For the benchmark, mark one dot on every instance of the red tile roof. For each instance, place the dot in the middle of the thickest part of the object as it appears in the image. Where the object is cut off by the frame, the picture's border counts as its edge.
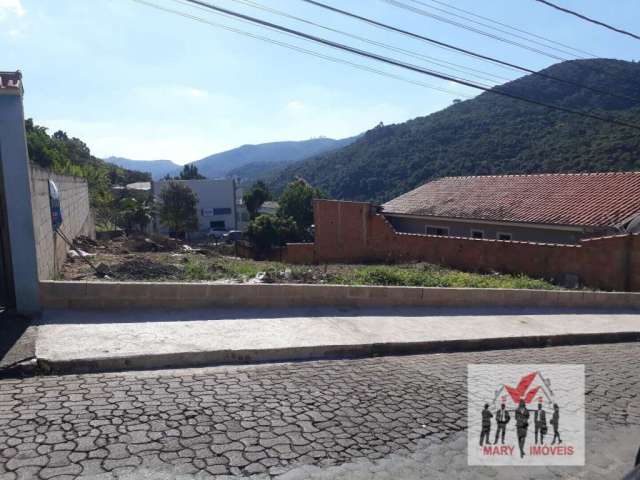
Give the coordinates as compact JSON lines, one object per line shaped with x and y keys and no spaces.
{"x":584,"y":199}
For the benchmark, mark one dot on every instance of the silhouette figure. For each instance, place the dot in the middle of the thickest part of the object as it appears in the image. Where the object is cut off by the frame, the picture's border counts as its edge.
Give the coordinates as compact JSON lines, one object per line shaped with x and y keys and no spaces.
{"x":502,"y":418}
{"x":540,"y":423}
{"x":486,"y":425}
{"x":555,"y":421}
{"x":522,"y":424}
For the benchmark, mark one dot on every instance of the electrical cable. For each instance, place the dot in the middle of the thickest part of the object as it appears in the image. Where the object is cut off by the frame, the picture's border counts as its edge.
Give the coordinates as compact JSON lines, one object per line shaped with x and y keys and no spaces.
{"x":447,"y":5}
{"x":440,"y":18}
{"x":302,"y":50}
{"x":436,"y":61}
{"x":588,"y":19}
{"x":406,"y":66}
{"x":460,"y":49}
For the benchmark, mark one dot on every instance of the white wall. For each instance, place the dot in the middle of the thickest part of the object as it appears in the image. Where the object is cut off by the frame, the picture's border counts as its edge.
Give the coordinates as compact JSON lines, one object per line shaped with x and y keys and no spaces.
{"x":212,"y":195}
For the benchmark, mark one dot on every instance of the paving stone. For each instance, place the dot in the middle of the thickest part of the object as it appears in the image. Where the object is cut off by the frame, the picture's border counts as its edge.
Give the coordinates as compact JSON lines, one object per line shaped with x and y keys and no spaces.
{"x":48,"y":472}
{"x":268,"y":419}
{"x":27,"y":459}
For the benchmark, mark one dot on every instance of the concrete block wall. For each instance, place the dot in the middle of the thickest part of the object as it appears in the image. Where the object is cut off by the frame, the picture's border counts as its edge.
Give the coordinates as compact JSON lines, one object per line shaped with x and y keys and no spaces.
{"x":352,"y":232}
{"x":76,"y":214}
{"x":174,"y":295}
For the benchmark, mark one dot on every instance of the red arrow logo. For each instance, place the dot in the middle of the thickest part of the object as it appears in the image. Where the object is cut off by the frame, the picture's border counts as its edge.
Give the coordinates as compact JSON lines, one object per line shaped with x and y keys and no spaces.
{"x":520,"y":392}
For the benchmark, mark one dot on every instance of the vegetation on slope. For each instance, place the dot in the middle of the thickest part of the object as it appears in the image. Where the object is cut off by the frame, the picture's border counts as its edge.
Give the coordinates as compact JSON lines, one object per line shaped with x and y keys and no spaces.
{"x":71,"y":156}
{"x":491,"y":135}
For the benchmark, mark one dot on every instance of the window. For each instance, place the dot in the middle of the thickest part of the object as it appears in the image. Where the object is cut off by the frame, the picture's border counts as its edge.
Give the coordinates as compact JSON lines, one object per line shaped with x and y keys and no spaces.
{"x":217,"y":225}
{"x":477,"y":233}
{"x":222,"y":211}
{"x":504,"y":236}
{"x":441,"y":231}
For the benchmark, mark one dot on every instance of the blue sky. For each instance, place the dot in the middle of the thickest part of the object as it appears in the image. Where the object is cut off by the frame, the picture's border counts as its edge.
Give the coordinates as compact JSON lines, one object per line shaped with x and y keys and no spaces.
{"x":145,"y":84}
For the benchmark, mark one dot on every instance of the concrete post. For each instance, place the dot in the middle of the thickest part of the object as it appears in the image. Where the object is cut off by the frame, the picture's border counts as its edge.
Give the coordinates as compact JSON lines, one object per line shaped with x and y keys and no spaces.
{"x":16,"y":183}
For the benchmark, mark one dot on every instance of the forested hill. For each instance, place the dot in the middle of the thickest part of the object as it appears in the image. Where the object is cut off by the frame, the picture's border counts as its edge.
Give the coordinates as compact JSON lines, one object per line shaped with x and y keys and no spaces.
{"x":492,"y":134}
{"x":71,"y":156}
{"x":261,"y":155}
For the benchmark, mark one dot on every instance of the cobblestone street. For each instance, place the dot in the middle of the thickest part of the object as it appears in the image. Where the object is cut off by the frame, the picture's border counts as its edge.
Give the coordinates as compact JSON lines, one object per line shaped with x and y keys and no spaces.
{"x":380,"y":416}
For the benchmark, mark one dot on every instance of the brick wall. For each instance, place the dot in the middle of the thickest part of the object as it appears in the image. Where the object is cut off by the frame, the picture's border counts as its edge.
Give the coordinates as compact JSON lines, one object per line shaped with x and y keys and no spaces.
{"x":76,"y":214}
{"x":299,"y":253}
{"x":355,"y":232}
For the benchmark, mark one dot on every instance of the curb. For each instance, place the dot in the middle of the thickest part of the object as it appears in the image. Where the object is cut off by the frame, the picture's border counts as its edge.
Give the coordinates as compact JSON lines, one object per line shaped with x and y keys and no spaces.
{"x":320,"y":352}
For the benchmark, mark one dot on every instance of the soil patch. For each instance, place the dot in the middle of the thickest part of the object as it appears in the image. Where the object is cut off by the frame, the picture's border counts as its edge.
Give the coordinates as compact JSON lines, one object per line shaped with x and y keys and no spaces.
{"x":145,"y":269}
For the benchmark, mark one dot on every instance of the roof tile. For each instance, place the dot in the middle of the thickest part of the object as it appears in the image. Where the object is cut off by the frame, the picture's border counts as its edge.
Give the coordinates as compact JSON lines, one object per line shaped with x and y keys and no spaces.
{"x":585,"y":199}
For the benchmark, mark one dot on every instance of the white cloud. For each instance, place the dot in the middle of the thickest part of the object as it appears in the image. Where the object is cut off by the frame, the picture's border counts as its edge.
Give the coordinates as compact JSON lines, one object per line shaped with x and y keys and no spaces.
{"x":171,"y":92}
{"x":11,"y":7}
{"x":295,"y":106}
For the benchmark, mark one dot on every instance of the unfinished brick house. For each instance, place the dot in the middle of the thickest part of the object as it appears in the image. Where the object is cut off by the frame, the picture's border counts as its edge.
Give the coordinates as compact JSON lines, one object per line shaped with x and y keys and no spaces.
{"x":547,"y":208}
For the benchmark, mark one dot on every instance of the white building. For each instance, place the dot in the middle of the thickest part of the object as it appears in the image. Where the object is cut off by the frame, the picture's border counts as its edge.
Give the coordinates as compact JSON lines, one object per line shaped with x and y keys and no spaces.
{"x":269,"y":207}
{"x":219,"y":207}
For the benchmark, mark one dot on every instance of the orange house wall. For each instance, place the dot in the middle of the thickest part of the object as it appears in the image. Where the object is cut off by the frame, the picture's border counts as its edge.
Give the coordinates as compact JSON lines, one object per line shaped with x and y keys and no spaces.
{"x":353,"y":232}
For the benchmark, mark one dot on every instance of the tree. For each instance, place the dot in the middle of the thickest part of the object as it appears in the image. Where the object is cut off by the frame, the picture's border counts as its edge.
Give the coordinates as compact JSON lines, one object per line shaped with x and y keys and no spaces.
{"x":255,"y":197}
{"x":267,"y":231}
{"x":135,"y":214}
{"x":296,"y":202}
{"x":106,"y":211}
{"x":190,"y":172}
{"x":71,"y":156}
{"x":177,"y":208}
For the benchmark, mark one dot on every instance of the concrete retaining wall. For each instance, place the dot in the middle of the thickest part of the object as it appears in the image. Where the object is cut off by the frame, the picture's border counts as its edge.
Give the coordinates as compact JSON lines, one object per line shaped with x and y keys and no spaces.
{"x":104,"y":295}
{"x":77,"y":218}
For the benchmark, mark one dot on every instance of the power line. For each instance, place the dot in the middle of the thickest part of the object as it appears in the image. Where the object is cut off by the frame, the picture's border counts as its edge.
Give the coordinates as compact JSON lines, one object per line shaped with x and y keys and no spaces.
{"x":462,"y":50}
{"x":406,"y":66}
{"x":584,"y":17}
{"x":452,"y":7}
{"x":440,"y":18}
{"x":419,"y":11}
{"x":436,"y":61}
{"x":298,"y":49}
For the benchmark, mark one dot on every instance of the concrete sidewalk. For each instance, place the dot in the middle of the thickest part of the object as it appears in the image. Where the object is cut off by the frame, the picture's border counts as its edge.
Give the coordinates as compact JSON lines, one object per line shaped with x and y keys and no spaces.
{"x":85,"y":341}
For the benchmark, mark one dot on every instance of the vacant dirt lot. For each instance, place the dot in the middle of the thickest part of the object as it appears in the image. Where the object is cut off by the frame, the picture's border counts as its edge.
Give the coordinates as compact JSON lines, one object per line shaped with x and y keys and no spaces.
{"x":162,"y":259}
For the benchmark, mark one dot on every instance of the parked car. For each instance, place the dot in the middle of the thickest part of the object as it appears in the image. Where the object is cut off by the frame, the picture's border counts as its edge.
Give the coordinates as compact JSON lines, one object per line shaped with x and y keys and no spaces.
{"x":216,"y":234}
{"x":233,"y":236}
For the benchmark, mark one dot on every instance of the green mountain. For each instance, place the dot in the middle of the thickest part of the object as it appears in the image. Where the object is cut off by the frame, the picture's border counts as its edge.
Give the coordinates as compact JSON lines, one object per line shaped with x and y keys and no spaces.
{"x":491,"y":135}
{"x":263,"y":156}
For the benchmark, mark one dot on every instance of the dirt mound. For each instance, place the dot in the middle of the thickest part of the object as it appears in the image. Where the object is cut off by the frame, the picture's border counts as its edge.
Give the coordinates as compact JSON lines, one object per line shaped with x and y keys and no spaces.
{"x":153,"y":243}
{"x":145,"y":269}
{"x":85,"y":243}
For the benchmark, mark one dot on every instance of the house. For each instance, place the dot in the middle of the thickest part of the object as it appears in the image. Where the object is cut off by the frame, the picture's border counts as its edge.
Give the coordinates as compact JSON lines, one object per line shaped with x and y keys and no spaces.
{"x":549,"y":208}
{"x":219,"y":205}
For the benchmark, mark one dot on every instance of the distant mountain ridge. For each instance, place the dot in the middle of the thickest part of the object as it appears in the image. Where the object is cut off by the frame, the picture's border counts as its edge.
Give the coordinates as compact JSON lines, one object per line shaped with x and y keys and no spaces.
{"x":247,"y":161}
{"x":491,"y":135}
{"x":261,"y":155}
{"x":157,"y":168}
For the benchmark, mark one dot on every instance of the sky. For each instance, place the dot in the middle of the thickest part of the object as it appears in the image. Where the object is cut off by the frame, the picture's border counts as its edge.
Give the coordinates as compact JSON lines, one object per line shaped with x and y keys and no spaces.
{"x":141,"y":83}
